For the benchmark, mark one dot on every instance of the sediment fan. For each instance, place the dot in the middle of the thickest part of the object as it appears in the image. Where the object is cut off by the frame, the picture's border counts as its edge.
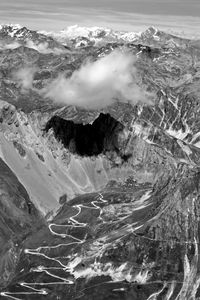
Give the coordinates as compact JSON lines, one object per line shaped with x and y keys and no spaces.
{"x":99,"y":204}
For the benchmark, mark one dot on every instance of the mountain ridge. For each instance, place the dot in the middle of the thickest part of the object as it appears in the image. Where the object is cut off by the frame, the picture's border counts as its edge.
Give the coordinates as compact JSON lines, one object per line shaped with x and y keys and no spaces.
{"x":103,"y":203}
{"x":82,"y":36}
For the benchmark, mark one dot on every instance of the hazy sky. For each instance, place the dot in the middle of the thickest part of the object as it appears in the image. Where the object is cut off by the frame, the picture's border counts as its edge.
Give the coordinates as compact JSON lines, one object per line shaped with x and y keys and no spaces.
{"x":135,"y":15}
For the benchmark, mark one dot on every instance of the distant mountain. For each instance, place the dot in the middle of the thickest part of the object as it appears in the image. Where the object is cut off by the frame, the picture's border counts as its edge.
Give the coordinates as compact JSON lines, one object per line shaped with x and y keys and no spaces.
{"x":78,"y":37}
{"x":92,"y":34}
{"x":16,"y":35}
{"x":84,"y":36}
{"x":99,"y":35}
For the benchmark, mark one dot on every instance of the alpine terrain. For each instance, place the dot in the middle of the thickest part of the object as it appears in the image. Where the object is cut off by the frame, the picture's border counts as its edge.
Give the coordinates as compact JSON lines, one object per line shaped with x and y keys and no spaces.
{"x":99,"y":201}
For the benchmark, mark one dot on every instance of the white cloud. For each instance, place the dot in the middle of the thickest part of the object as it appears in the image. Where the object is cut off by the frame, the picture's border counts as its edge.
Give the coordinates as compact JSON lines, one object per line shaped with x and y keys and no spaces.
{"x":98,"y":84}
{"x":43,"y":48}
{"x":24,"y":77}
{"x":14,"y":45}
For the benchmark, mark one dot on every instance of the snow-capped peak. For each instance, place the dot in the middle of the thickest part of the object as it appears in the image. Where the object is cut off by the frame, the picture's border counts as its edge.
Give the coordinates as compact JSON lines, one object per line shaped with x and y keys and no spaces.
{"x":75,"y":31}
{"x":151,"y":30}
{"x":12,"y":26}
{"x":11,"y":29}
{"x":94,"y":34}
{"x":78,"y":31}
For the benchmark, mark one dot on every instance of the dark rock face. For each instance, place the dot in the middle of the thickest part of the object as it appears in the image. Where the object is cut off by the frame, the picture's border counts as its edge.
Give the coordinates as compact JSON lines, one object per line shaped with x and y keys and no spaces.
{"x":101,"y":204}
{"x":90,"y":139}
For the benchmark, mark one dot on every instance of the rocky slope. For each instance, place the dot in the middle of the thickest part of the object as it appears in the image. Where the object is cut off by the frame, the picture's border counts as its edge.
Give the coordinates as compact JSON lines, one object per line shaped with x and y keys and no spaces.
{"x":99,"y":204}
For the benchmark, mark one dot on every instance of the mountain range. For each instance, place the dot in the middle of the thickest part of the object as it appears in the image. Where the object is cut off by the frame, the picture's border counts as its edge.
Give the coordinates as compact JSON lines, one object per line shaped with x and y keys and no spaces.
{"x":99,"y":203}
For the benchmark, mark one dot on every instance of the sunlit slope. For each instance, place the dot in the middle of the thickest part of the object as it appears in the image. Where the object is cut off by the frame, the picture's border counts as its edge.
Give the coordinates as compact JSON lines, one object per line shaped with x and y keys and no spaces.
{"x":18,"y":218}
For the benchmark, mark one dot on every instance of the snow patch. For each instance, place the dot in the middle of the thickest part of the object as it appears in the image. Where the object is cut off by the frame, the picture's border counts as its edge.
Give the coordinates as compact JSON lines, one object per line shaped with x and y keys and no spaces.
{"x":180,"y":135}
{"x":184,"y":147}
{"x":94,"y":34}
